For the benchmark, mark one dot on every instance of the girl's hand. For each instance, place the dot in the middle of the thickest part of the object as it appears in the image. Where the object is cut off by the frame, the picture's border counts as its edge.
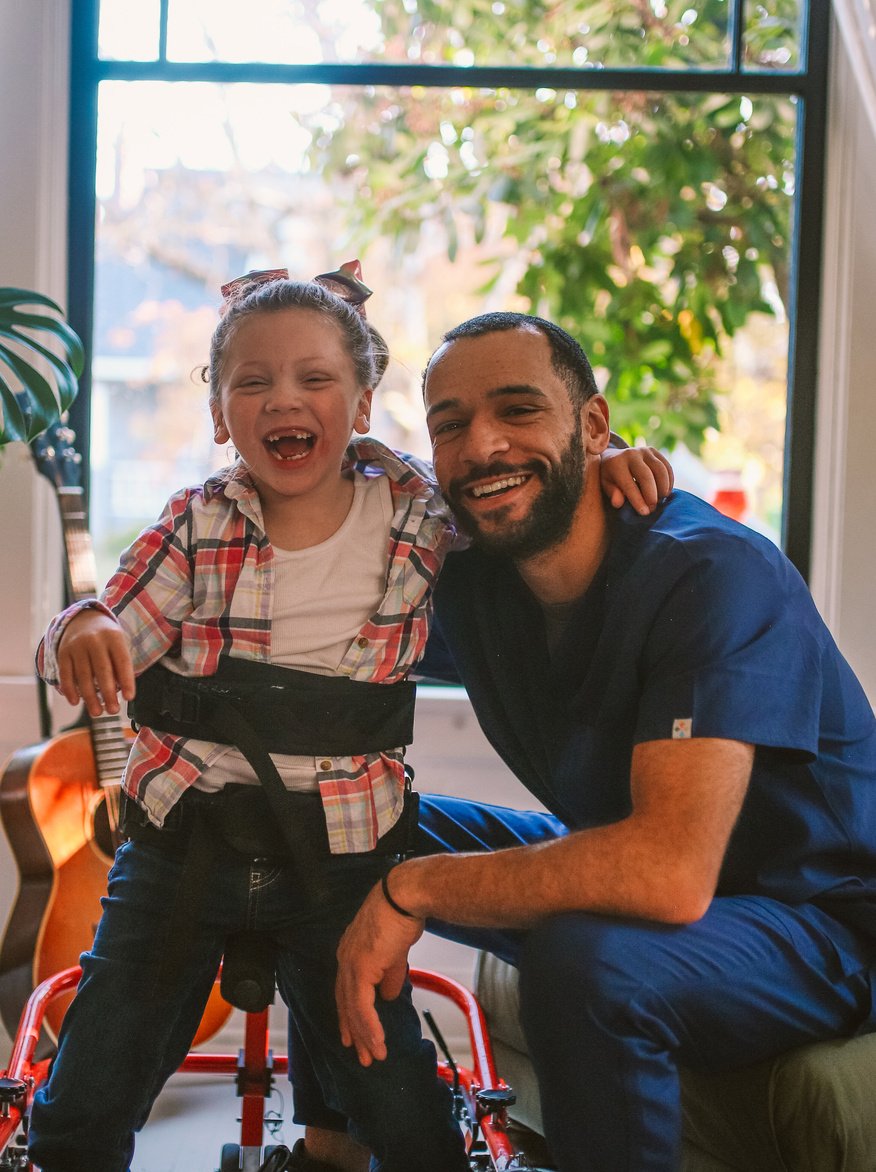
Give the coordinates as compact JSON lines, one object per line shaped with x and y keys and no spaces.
{"x":642,"y":476}
{"x":94,"y":663}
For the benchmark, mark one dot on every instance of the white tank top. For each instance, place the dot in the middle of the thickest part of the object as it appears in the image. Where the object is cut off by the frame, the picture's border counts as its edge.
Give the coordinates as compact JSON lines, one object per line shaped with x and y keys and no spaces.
{"x":322,"y":597}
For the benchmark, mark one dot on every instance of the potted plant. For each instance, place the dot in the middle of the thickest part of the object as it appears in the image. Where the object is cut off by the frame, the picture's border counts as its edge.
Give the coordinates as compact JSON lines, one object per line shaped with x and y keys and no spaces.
{"x":44,"y":358}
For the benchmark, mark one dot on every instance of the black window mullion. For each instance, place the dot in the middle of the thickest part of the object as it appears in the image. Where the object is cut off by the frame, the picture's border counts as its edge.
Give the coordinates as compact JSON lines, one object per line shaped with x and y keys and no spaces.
{"x":804,"y":310}
{"x":162,"y":29}
{"x":450,"y":76}
{"x":81,"y":205}
{"x":736,"y":32}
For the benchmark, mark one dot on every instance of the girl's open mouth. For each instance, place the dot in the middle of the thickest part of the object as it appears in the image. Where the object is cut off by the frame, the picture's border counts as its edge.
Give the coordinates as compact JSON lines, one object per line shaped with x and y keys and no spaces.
{"x":289,"y":445}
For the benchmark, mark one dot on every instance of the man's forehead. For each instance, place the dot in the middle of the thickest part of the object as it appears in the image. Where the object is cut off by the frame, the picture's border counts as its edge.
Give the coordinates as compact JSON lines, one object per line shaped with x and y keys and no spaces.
{"x":524,"y":340}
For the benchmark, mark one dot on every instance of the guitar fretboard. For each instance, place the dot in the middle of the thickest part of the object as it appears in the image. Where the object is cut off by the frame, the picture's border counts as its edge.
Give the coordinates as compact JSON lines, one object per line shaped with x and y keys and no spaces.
{"x":111,"y":749}
{"x":81,"y":568}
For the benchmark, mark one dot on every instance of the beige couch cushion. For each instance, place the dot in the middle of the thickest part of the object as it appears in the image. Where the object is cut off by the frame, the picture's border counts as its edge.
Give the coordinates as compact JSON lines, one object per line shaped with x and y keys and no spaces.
{"x":810,"y":1110}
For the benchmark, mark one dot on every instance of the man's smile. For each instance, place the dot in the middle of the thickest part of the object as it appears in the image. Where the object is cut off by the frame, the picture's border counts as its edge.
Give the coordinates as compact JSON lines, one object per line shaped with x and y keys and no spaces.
{"x":496,"y":487}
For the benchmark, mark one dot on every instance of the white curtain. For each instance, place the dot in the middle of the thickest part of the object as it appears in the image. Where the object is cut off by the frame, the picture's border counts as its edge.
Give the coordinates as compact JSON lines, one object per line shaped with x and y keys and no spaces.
{"x":857,"y":24}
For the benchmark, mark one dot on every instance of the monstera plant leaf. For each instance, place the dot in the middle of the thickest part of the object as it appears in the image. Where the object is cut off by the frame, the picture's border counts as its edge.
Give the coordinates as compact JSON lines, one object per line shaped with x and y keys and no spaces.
{"x":34,"y":394}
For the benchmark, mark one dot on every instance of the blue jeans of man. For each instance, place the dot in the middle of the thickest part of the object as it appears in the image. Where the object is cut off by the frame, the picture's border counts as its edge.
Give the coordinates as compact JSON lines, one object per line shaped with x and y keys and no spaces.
{"x":611,"y":1008}
{"x":119,"y":1043}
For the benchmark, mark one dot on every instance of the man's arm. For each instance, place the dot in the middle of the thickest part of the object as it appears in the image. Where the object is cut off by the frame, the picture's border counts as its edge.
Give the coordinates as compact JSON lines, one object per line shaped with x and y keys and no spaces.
{"x":660,"y":863}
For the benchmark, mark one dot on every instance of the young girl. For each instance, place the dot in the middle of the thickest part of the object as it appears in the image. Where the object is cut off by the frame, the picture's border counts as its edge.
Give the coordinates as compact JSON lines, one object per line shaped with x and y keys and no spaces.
{"x":284,"y":588}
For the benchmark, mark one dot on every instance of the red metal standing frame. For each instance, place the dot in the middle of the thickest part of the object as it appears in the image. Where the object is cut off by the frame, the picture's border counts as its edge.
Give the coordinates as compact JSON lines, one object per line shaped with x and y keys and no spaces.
{"x":485,"y":1095}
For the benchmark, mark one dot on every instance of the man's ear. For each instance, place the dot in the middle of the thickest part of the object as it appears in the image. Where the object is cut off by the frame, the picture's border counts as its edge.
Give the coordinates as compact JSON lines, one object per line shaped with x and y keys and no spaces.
{"x":221,"y":435}
{"x":595,"y":426}
{"x":362,"y":422}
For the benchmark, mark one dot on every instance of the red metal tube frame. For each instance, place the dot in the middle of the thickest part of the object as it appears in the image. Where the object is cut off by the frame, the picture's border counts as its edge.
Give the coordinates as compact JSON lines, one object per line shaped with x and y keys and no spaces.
{"x":257,"y":1059}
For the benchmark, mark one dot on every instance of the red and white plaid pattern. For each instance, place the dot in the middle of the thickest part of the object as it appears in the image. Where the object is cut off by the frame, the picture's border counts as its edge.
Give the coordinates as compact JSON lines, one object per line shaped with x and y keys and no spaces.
{"x":198,"y":585}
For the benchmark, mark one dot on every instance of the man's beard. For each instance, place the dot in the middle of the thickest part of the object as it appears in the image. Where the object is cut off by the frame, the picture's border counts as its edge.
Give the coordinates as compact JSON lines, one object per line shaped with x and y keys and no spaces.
{"x":549,"y":519}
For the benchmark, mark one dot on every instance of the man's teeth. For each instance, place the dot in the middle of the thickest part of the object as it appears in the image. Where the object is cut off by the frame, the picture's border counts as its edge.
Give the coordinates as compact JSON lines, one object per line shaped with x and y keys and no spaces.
{"x":480,"y":490}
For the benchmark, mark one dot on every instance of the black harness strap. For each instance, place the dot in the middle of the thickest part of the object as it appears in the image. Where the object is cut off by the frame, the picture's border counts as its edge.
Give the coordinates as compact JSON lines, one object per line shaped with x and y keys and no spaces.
{"x":290,"y":711}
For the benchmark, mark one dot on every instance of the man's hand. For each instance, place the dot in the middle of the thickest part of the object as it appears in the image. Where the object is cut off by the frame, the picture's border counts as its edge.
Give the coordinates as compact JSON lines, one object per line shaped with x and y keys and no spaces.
{"x":372,"y":957}
{"x":642,"y":476}
{"x":94,"y":663}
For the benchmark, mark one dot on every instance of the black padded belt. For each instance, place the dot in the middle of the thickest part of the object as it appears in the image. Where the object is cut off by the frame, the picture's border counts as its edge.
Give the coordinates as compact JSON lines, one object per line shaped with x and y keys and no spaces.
{"x":290,"y":711}
{"x":262,"y":709}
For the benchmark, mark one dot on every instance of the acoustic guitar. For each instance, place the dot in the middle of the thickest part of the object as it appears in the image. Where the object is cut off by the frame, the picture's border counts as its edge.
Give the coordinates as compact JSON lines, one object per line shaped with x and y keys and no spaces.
{"x":59,"y":803}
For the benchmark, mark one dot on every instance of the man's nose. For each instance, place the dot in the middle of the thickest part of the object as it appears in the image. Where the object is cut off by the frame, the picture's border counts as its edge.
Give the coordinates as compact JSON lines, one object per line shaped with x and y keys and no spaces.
{"x":484,"y":440}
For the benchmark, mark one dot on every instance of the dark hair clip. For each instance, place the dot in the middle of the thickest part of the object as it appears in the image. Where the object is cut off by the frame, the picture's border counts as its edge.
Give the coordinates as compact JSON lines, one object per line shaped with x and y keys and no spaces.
{"x":346,"y":283}
{"x":240,"y":285}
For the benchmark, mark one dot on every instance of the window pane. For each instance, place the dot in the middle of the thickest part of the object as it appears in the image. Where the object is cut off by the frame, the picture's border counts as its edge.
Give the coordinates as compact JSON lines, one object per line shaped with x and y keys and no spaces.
{"x":129,"y":32}
{"x":772,"y":35}
{"x":654,"y":227}
{"x":615,"y":33}
{"x":290,"y":31}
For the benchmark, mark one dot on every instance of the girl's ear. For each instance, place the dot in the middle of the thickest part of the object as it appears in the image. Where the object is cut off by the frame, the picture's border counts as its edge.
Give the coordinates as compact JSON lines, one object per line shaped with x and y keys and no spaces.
{"x":221,"y":435}
{"x":362,"y":422}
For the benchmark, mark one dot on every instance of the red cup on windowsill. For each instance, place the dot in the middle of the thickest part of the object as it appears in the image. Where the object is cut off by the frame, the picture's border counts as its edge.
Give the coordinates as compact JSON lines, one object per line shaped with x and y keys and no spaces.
{"x":729,"y":495}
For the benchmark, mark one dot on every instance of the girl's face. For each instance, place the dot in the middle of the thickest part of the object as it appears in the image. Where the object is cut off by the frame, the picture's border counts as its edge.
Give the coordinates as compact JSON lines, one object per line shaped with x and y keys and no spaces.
{"x":289,"y":403}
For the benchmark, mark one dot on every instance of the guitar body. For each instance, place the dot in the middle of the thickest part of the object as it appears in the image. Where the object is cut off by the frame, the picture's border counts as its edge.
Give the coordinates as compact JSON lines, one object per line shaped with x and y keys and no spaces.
{"x":60,"y":823}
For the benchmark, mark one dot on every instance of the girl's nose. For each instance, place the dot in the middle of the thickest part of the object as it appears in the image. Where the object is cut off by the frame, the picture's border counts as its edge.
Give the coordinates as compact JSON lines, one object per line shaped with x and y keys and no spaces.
{"x":284,"y":395}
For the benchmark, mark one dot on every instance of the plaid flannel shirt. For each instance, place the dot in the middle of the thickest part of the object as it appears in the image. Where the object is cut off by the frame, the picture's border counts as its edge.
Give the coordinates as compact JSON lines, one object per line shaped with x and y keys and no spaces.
{"x":198,"y":584}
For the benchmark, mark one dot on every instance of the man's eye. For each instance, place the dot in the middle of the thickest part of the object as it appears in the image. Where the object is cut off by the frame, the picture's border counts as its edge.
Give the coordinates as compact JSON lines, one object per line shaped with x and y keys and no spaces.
{"x":445,"y":428}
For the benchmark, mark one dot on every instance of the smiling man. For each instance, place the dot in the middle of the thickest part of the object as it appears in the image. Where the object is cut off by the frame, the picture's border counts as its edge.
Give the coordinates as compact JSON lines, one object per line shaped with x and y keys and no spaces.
{"x":704,"y":890}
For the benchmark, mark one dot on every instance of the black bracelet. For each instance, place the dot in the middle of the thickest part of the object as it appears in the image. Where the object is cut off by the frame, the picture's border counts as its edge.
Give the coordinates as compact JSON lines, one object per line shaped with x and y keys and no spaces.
{"x":396,"y":907}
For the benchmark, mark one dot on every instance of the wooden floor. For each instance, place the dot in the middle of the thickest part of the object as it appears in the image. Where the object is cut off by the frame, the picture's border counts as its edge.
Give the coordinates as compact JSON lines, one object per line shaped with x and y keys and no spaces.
{"x":193,"y":1117}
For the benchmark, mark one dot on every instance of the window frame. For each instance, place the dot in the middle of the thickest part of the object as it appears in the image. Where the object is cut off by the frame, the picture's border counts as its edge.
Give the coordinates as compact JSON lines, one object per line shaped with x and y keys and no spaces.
{"x":807,"y":83}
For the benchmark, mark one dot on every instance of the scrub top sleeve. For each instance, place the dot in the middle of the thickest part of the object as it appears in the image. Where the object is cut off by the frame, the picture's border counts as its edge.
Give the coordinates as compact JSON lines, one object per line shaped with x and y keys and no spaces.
{"x":437,"y":663}
{"x":734,"y":652}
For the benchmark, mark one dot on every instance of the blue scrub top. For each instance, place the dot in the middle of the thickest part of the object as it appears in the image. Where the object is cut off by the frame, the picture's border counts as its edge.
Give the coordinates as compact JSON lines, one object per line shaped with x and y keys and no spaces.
{"x":694,"y":626}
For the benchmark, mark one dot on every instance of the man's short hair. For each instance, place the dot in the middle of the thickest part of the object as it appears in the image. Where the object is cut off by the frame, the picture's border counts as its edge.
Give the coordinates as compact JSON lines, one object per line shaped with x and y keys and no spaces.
{"x":567,"y":356}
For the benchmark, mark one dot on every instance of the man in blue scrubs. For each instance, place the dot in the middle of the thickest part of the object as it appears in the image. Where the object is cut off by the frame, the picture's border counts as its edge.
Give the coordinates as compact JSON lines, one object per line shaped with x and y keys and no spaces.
{"x":704,"y":892}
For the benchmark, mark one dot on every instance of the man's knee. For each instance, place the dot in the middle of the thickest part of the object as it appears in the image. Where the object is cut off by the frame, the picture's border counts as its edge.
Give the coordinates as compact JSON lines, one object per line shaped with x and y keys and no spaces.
{"x":584,"y":964}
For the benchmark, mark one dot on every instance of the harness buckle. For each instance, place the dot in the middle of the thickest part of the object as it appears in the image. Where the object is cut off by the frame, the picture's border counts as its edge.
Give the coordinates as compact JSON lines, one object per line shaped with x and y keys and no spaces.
{"x":182,"y":704}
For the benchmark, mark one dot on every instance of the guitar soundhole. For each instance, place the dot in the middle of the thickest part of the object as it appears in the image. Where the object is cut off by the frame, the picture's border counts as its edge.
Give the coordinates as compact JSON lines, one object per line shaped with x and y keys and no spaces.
{"x":106,"y":827}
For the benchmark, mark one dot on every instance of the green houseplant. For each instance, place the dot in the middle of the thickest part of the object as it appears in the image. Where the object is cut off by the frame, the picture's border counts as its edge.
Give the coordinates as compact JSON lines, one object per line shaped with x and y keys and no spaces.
{"x":41,"y":359}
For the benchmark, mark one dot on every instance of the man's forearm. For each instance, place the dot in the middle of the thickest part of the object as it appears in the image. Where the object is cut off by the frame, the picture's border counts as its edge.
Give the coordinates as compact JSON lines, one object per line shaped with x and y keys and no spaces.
{"x":660,"y":863}
{"x":602,"y":871}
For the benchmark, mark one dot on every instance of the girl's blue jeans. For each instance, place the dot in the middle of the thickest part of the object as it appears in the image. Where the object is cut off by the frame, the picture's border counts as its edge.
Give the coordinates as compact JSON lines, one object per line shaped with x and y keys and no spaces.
{"x":120,"y":1042}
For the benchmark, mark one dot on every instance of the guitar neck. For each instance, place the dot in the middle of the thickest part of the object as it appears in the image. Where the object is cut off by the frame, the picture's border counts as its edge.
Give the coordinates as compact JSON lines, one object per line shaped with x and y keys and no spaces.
{"x":107,"y":736}
{"x":111,"y":749}
{"x":81,"y":567}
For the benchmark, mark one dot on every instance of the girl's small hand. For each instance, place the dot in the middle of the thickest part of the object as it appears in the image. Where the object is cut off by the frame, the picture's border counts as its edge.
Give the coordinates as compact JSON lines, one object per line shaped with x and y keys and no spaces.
{"x":642,"y":476}
{"x":94,"y":663}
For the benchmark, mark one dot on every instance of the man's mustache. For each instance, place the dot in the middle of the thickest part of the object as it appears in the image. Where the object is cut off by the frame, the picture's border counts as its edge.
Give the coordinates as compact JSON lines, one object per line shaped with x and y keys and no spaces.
{"x":494,"y":471}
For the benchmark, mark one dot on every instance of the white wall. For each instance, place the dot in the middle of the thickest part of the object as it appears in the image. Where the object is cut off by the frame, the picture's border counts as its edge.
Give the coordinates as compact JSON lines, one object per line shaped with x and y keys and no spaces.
{"x":844,"y":548}
{"x":449,"y":750}
{"x":33,"y":146}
